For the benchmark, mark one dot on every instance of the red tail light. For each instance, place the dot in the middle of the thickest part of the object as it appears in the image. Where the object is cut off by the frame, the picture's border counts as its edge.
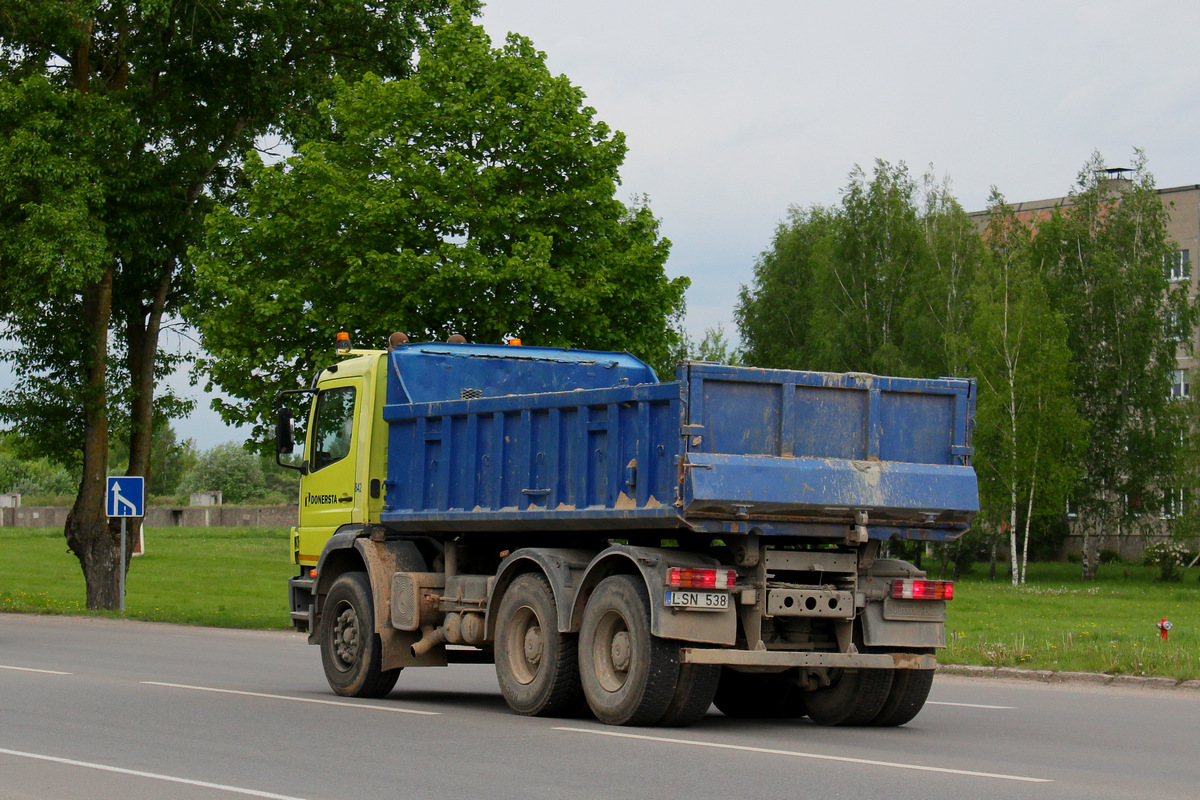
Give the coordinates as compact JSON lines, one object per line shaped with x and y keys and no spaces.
{"x":694,"y":578}
{"x":914,"y":589}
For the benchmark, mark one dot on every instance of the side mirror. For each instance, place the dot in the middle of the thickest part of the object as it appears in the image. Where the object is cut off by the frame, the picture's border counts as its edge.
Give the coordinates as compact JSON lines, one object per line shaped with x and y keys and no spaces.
{"x":285,"y":431}
{"x":285,"y":435}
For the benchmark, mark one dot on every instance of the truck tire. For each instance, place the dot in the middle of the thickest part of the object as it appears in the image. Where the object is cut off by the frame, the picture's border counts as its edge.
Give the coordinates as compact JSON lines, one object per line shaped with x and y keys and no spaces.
{"x":855,"y":697}
{"x":536,"y":665}
{"x":629,"y":677}
{"x":910,"y":689}
{"x":758,"y":695}
{"x":693,"y":695}
{"x":351,"y":651}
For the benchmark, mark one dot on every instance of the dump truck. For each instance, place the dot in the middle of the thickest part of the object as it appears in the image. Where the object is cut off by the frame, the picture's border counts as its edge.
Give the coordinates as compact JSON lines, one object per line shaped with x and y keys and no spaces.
{"x":614,"y":543}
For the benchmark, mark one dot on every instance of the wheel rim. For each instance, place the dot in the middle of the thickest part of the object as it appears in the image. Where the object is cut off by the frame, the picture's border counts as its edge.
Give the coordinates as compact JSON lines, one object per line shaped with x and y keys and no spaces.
{"x":612,"y":652}
{"x":347,"y":644}
{"x":525,"y":645}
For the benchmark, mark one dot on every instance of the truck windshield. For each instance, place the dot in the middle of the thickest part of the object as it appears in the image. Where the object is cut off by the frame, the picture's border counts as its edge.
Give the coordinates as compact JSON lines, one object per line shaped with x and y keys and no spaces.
{"x":334,"y":425}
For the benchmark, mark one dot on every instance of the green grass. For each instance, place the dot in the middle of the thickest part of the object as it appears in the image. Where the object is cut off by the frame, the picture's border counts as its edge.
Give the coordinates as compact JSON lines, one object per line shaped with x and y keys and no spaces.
{"x":237,"y":577}
{"x":1058,"y":621}
{"x":226,"y":577}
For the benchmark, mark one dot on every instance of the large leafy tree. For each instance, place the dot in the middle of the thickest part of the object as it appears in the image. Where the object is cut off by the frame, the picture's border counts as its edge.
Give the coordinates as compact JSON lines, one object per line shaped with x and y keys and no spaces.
{"x":474,"y":197}
{"x":1030,"y":437}
{"x":877,"y":283}
{"x":876,"y":255}
{"x":775,"y":314}
{"x":121,"y":124}
{"x":1104,"y":253}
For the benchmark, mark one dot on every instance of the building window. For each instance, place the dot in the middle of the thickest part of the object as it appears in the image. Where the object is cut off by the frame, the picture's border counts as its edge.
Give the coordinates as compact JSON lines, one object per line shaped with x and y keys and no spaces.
{"x":1179,"y":383}
{"x":1175,"y":503}
{"x":1171,"y":332}
{"x":1177,"y":266}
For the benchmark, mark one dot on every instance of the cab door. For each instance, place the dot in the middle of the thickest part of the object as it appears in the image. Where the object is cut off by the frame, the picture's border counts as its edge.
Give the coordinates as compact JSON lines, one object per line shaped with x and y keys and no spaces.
{"x":331,"y":489}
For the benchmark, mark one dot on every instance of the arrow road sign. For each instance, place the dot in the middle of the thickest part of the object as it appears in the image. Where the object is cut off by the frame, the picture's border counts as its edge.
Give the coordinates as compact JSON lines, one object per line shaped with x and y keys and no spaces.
{"x":126,"y":496}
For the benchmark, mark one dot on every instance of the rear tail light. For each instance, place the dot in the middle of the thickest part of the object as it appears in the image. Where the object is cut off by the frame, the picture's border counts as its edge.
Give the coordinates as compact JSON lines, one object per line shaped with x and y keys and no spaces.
{"x":923,"y":590}
{"x":692,"y":578}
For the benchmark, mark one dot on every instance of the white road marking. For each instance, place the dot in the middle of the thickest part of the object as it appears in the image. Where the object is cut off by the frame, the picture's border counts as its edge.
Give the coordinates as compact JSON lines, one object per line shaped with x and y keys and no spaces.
{"x":797,"y":754}
{"x":969,"y":705}
{"x":151,"y":775}
{"x":42,"y":671}
{"x":394,"y":709}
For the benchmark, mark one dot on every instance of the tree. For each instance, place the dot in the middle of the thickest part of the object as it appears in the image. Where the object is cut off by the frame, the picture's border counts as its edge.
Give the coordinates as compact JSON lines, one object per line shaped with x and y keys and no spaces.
{"x":475,"y":197}
{"x":229,"y":469}
{"x":1104,"y":254}
{"x":170,"y":460}
{"x":37,"y":476}
{"x":940,"y":305}
{"x":774,"y":314}
{"x":121,"y":124}
{"x":878,"y":283}
{"x":1029,"y":437}
{"x":715,"y":347}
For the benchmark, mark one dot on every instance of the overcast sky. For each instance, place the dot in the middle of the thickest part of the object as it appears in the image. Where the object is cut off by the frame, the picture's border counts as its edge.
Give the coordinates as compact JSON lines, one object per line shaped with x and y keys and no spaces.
{"x":735,"y":111}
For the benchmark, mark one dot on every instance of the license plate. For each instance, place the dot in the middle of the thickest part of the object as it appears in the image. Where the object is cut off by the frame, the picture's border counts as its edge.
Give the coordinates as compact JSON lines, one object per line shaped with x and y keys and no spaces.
{"x":914,"y":610}
{"x":712,"y":601}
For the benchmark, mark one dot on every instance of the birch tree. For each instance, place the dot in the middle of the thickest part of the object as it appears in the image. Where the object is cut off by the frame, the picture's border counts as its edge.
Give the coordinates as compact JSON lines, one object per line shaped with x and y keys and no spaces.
{"x":1029,"y":437}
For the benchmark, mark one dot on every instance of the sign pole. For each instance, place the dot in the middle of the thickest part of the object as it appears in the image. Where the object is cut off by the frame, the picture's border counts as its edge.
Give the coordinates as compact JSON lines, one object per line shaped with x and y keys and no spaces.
{"x":123,"y":563}
{"x":127,"y":500}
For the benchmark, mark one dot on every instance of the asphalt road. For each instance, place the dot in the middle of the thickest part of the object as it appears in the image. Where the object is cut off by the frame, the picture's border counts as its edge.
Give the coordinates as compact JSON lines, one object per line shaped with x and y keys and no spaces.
{"x":98,"y":709}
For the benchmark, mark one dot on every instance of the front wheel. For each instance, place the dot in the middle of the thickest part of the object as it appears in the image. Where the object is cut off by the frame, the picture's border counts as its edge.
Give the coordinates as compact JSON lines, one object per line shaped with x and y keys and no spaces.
{"x":351,"y":651}
{"x":536,"y":665}
{"x":629,"y":676}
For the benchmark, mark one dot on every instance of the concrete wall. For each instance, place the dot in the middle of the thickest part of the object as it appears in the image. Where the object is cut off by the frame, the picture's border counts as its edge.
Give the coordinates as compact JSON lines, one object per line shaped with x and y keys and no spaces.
{"x":157,"y":517}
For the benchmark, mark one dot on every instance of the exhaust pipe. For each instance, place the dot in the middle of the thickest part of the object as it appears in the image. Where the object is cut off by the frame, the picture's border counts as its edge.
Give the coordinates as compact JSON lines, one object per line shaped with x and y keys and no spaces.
{"x":432,"y":638}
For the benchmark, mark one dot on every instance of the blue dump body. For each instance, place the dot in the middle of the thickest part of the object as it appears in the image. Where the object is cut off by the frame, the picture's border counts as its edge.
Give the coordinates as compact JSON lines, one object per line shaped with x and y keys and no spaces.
{"x":491,"y":438}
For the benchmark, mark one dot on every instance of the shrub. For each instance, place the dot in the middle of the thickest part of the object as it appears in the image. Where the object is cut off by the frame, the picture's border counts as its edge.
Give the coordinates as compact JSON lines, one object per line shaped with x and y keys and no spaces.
{"x":1168,"y":556}
{"x":230,"y":469}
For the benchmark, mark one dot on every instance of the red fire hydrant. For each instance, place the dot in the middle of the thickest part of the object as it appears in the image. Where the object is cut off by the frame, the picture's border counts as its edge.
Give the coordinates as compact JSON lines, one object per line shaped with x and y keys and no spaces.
{"x":1164,"y":627}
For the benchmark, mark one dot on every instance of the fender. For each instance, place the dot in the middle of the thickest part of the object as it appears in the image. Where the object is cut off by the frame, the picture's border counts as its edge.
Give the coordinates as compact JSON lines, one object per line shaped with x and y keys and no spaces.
{"x":708,"y":627}
{"x":338,"y":556}
{"x":350,"y":549}
{"x":562,"y":567}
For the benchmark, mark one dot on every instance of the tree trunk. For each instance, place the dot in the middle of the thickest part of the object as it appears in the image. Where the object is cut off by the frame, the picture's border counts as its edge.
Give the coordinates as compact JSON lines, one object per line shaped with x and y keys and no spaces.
{"x":87,"y":530}
{"x":1090,"y":556}
{"x":992,"y":559}
{"x":1014,"y":565}
{"x":143,"y":327}
{"x":142,"y":330}
{"x":1028,"y":523}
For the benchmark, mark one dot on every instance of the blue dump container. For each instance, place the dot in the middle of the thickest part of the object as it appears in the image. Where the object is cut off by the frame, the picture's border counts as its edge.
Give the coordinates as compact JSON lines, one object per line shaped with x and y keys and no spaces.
{"x":503,"y":438}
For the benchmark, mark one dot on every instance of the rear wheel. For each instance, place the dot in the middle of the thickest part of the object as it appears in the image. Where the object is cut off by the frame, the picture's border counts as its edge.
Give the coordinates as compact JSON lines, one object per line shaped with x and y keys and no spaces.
{"x":629,"y":677}
{"x":910,"y":689}
{"x":855,"y":697}
{"x":693,"y":695}
{"x":758,"y":695}
{"x":536,"y":665}
{"x":351,"y":651}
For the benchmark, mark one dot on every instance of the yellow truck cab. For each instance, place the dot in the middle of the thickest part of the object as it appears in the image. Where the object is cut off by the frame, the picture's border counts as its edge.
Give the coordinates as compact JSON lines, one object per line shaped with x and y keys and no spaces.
{"x":345,"y":454}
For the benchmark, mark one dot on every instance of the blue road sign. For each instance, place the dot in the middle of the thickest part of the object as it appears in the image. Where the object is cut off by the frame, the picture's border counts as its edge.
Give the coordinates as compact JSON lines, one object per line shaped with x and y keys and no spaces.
{"x":126,"y":496}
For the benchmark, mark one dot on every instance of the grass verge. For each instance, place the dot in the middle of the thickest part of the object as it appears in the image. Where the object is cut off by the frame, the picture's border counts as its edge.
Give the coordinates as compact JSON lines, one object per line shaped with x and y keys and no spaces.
{"x":237,"y":578}
{"x":225,"y":577}
{"x":1058,"y":621}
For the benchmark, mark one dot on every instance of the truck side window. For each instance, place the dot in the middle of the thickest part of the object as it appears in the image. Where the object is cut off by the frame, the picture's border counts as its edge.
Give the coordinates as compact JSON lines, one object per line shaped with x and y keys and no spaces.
{"x":335,"y":422}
